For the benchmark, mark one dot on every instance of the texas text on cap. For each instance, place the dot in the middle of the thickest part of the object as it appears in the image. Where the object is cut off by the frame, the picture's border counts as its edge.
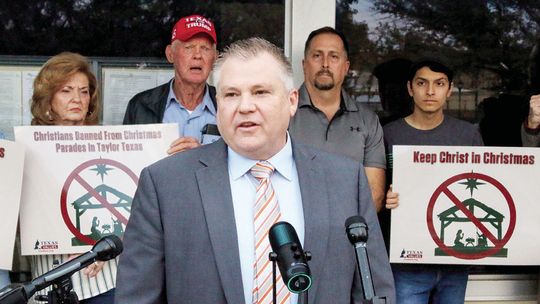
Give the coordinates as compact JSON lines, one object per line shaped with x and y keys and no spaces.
{"x":188,"y":27}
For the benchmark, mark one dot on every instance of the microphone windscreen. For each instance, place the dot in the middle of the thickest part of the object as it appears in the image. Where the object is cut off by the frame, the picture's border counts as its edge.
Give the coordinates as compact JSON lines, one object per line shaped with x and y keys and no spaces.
{"x":355,"y":219}
{"x":291,"y":259}
{"x":108,"y":248}
{"x":357,"y":229}
{"x":282,"y":233}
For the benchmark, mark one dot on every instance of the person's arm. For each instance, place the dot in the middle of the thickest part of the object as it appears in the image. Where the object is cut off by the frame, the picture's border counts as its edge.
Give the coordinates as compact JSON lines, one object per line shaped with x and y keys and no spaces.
{"x":530,"y":130}
{"x":392,"y":199}
{"x":183,"y":144}
{"x":141,"y":272}
{"x":533,"y":120}
{"x":377,"y":181}
{"x":91,"y":270}
{"x":375,"y":161}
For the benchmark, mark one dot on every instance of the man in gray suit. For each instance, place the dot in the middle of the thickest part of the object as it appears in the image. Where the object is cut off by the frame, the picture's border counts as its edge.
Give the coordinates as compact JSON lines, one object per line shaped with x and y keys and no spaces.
{"x":191,"y":236}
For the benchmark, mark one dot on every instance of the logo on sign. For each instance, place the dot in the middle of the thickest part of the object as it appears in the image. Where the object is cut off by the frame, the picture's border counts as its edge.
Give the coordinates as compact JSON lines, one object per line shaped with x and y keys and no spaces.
{"x":471,"y":216}
{"x":96,"y":200}
{"x":46,"y":246}
{"x":411,"y":255}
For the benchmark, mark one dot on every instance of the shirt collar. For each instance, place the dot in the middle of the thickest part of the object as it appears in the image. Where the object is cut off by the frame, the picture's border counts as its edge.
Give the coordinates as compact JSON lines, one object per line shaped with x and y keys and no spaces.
{"x":206,"y":102}
{"x":282,"y":161}
{"x":346,"y":104}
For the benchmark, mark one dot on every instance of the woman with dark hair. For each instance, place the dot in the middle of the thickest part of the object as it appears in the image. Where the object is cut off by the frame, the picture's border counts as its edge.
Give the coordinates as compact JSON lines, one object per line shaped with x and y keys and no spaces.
{"x":65,"y":94}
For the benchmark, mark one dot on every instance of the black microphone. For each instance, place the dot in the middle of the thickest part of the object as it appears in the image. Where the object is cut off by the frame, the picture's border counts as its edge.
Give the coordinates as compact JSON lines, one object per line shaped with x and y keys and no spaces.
{"x":291,"y":259}
{"x":14,"y":294}
{"x":105,"y":249}
{"x":210,"y":133}
{"x":210,"y":129}
{"x":357,"y":232}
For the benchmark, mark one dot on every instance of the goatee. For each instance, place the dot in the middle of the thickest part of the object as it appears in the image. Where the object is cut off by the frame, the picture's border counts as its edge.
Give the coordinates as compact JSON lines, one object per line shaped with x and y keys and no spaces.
{"x":324,"y":86}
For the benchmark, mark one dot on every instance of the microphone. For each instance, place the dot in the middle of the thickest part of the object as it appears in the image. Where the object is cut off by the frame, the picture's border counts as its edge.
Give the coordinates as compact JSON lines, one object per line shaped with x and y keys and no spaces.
{"x":14,"y":294}
{"x":357,"y":232}
{"x":291,"y":259}
{"x":105,"y":249}
{"x":210,"y":133}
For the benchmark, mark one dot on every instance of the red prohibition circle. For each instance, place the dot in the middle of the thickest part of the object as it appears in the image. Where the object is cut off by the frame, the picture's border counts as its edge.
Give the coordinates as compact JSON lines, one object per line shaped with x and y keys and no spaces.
{"x":443,"y":188}
{"x":74,"y":176}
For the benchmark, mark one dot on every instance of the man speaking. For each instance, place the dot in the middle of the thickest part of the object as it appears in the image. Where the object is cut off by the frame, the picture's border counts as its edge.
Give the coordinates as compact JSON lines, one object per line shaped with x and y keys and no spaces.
{"x":198,"y":231}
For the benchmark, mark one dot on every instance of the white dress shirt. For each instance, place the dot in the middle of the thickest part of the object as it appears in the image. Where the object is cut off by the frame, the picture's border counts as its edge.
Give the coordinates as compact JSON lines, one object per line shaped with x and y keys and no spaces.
{"x":243,"y":189}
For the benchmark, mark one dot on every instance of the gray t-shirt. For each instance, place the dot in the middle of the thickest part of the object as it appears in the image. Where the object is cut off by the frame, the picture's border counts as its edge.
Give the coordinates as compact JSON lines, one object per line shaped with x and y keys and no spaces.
{"x":530,"y":138}
{"x":354,"y":131}
{"x":451,"y":132}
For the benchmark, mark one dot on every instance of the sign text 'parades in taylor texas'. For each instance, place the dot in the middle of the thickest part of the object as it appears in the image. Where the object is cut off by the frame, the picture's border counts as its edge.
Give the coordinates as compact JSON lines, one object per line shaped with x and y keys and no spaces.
{"x":466,"y":205}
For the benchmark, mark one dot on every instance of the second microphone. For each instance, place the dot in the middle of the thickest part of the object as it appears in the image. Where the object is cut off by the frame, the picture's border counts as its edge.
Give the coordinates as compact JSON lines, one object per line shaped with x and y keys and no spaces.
{"x":291,"y":259}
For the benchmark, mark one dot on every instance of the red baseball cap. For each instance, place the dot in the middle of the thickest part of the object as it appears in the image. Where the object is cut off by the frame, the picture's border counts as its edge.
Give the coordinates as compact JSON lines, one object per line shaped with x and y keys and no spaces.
{"x":189,"y":26}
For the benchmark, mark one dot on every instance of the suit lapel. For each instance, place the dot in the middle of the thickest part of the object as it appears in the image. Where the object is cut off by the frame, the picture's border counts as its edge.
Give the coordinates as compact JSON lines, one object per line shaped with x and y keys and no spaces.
{"x":216,"y":198}
{"x":316,"y":207}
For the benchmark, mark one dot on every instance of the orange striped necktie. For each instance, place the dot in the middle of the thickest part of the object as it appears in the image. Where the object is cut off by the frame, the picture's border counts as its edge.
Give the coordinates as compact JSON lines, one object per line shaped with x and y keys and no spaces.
{"x":266,"y":213}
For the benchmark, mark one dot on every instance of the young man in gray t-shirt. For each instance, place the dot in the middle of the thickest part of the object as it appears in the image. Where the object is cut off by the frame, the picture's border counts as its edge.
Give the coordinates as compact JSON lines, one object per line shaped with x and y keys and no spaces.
{"x":430,"y":84}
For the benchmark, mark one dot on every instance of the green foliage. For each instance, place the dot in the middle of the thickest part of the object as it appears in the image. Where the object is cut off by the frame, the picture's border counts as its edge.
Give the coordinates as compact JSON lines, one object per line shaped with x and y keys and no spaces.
{"x":361,"y":48}
{"x":125,"y":28}
{"x":473,"y":35}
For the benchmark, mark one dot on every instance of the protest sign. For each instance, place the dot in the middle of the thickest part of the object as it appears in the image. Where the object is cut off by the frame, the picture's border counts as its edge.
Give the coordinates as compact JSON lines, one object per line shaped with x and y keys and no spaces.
{"x":466,"y":205}
{"x":11,"y":173}
{"x":79,"y":182}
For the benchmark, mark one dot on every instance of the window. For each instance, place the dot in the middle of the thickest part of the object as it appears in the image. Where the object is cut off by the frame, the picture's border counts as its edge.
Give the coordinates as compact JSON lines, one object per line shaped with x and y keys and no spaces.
{"x":492,"y":47}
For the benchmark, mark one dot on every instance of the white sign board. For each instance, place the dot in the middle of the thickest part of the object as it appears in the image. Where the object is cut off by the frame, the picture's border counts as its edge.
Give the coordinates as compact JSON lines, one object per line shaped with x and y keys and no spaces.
{"x":466,"y":205}
{"x":15,"y":94}
{"x":11,"y":173}
{"x":120,"y":85}
{"x":79,"y":182}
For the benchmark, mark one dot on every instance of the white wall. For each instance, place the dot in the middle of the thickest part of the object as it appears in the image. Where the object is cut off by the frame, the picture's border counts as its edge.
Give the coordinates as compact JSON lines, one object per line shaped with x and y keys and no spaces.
{"x":302,"y":17}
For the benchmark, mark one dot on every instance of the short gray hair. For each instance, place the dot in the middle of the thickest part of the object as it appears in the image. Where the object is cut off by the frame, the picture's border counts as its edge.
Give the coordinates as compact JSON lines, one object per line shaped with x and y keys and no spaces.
{"x":249,"y":48}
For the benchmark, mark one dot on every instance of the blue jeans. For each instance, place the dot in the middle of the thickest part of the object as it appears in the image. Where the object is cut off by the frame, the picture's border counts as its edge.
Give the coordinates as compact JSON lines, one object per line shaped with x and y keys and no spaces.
{"x":104,"y":298}
{"x":430,"y":286}
{"x":4,"y":278}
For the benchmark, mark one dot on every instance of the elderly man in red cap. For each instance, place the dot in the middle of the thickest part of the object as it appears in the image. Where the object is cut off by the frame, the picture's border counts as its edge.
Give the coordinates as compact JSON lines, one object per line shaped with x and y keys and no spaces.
{"x":187,"y":99}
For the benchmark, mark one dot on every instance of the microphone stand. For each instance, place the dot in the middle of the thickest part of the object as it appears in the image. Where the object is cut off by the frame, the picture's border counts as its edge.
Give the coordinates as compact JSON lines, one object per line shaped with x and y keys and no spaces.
{"x":357,"y":233}
{"x":302,"y":296}
{"x":105,"y":249}
{"x":62,"y":293}
{"x":273,"y":258}
{"x":365,"y":275}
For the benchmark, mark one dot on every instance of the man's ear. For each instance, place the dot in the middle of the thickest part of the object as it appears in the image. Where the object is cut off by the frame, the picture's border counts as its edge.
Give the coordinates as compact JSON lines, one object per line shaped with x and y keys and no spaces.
{"x":450,"y":89}
{"x":293,"y":99}
{"x":169,"y":53}
{"x":348,"y":65}
{"x":409,"y":88}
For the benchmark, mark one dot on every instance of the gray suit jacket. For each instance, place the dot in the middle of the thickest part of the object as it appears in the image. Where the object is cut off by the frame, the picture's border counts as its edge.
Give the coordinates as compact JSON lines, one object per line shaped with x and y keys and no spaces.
{"x":181,"y":243}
